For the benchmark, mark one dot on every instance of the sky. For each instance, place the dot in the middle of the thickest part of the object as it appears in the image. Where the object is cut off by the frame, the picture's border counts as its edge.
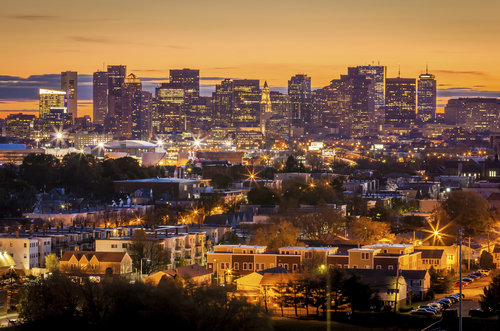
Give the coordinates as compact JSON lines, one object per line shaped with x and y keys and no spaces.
{"x":262,"y":39}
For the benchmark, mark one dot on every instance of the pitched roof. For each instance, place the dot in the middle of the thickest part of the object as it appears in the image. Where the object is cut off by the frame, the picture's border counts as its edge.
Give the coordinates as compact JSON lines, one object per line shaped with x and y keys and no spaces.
{"x":189,"y":271}
{"x":431,"y":253}
{"x":101,"y":256}
{"x":414,"y":274}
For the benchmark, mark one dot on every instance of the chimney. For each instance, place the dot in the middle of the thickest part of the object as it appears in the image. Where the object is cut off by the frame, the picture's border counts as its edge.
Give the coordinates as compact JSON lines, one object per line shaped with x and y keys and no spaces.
{"x":176,"y":231}
{"x":166,"y":232}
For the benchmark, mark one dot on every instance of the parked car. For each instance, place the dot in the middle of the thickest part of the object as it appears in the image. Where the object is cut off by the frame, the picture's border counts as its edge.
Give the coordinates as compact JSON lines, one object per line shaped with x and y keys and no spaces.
{"x":480,"y":313}
{"x":472,"y":276}
{"x":445,"y":304}
{"x":424,"y":312}
{"x":485,"y":272}
{"x":457,"y":284}
{"x":436,"y":305}
{"x":429,"y":307}
{"x":452,"y":298}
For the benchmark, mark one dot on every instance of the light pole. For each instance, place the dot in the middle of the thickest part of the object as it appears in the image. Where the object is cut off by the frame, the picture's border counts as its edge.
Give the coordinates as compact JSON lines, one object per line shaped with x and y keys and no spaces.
{"x":460,"y":238}
{"x":148,"y":260}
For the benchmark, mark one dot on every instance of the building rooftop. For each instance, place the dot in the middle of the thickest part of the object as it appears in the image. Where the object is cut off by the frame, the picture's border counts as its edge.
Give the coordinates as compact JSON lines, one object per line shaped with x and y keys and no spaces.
{"x":130,"y":144}
{"x":161,"y":180}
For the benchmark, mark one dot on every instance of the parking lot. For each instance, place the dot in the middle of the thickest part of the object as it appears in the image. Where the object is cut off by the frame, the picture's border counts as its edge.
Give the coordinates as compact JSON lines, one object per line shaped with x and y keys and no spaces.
{"x":472,"y":294}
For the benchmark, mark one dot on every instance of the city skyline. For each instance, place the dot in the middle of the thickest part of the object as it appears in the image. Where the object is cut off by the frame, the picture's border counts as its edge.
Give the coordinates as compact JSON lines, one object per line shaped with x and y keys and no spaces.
{"x":455,"y":40}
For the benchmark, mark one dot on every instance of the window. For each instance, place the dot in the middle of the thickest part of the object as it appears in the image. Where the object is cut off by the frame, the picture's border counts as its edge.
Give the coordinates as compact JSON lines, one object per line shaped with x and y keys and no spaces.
{"x":492,"y":173}
{"x":236,"y":266}
{"x":390,"y":267}
{"x":296,"y":253}
{"x":262,"y":267}
{"x":251,"y":251}
{"x":355,"y":267}
{"x":114,"y":246}
{"x":250,"y":266}
{"x":346,"y":266}
{"x":339,"y":265}
{"x":294,"y":266}
{"x":244,"y":251}
{"x":124,"y":245}
{"x":24,"y":255}
{"x":285,"y":266}
{"x":367,"y":267}
{"x":222,"y":265}
{"x":244,"y":266}
{"x":378,"y":267}
{"x":365,"y":256}
{"x":24,"y":245}
{"x":227,"y":265}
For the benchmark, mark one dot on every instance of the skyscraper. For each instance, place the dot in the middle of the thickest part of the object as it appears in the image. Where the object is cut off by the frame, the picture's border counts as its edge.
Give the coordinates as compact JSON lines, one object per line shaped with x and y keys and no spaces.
{"x":188,"y":79}
{"x":116,"y":80}
{"x":480,"y":114}
{"x":377,"y":75}
{"x":237,"y":103}
{"x":50,"y":99}
{"x":131,"y":101}
{"x":299,"y":90}
{"x":426,"y":92}
{"x":100,"y":97}
{"x":69,"y":83}
{"x":400,"y":101}
{"x":141,"y":115}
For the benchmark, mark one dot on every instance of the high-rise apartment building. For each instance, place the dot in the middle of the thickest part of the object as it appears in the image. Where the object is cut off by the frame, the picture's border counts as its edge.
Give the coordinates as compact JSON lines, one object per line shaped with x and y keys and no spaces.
{"x":299,"y":90}
{"x":69,"y":83}
{"x":51,"y":99}
{"x":426,"y":95}
{"x":400,"y":101}
{"x":100,"y":97}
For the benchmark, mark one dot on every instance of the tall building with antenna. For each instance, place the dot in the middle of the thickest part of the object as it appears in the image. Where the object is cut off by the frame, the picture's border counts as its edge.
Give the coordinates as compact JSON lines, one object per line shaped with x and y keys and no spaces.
{"x":426,"y":94}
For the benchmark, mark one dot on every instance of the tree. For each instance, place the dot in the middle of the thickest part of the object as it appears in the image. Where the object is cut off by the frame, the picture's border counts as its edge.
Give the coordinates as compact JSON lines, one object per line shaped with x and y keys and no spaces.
{"x":231,"y":238}
{"x":149,"y":251}
{"x":490,"y":299}
{"x":469,"y":210}
{"x":486,"y":260}
{"x":88,"y":305}
{"x":221,"y":181}
{"x":367,"y":231}
{"x":41,"y":171}
{"x":275,"y":236}
{"x":262,"y":196}
{"x":291,"y":164}
{"x":360,"y":295}
{"x":52,"y":262}
{"x":322,"y":225}
{"x":441,"y":282}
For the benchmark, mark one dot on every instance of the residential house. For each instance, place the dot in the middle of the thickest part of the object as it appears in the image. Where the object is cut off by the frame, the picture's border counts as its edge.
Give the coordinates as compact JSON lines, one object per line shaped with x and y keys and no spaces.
{"x":96,"y":264}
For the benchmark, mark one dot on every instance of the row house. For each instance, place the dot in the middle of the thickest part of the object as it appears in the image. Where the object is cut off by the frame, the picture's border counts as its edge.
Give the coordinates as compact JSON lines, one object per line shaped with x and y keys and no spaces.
{"x":379,"y":256}
{"x":245,"y":259}
{"x":96,"y":264}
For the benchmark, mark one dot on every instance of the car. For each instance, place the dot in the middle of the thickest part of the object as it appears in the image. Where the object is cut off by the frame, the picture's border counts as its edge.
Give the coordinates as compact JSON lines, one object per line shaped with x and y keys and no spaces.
{"x":436,"y":305}
{"x":485,"y":272}
{"x":445,"y":304}
{"x":472,"y":276}
{"x":453,"y":299}
{"x":422,"y":311}
{"x":478,"y":274}
{"x":467,"y":280}
{"x":429,"y":307}
{"x":457,"y":284}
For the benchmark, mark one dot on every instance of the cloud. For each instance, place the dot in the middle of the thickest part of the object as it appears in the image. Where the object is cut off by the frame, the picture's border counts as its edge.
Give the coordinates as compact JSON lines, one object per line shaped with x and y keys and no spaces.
{"x":457,"y":72}
{"x":34,"y":17}
{"x":100,"y":40}
{"x":466,"y":92}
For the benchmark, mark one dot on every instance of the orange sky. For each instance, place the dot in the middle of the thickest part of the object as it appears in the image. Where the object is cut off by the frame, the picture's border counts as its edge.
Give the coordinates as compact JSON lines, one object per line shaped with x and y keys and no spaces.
{"x":267,"y":40}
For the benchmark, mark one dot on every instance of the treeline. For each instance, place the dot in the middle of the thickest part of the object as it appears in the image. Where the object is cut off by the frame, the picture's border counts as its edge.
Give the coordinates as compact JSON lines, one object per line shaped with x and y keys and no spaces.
{"x":80,"y":174}
{"x":60,"y":302}
{"x":313,"y":290}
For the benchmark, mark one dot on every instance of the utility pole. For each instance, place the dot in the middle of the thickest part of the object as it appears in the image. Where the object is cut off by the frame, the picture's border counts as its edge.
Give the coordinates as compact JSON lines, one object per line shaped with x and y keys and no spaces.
{"x":460,"y":238}
{"x":469,"y":255}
